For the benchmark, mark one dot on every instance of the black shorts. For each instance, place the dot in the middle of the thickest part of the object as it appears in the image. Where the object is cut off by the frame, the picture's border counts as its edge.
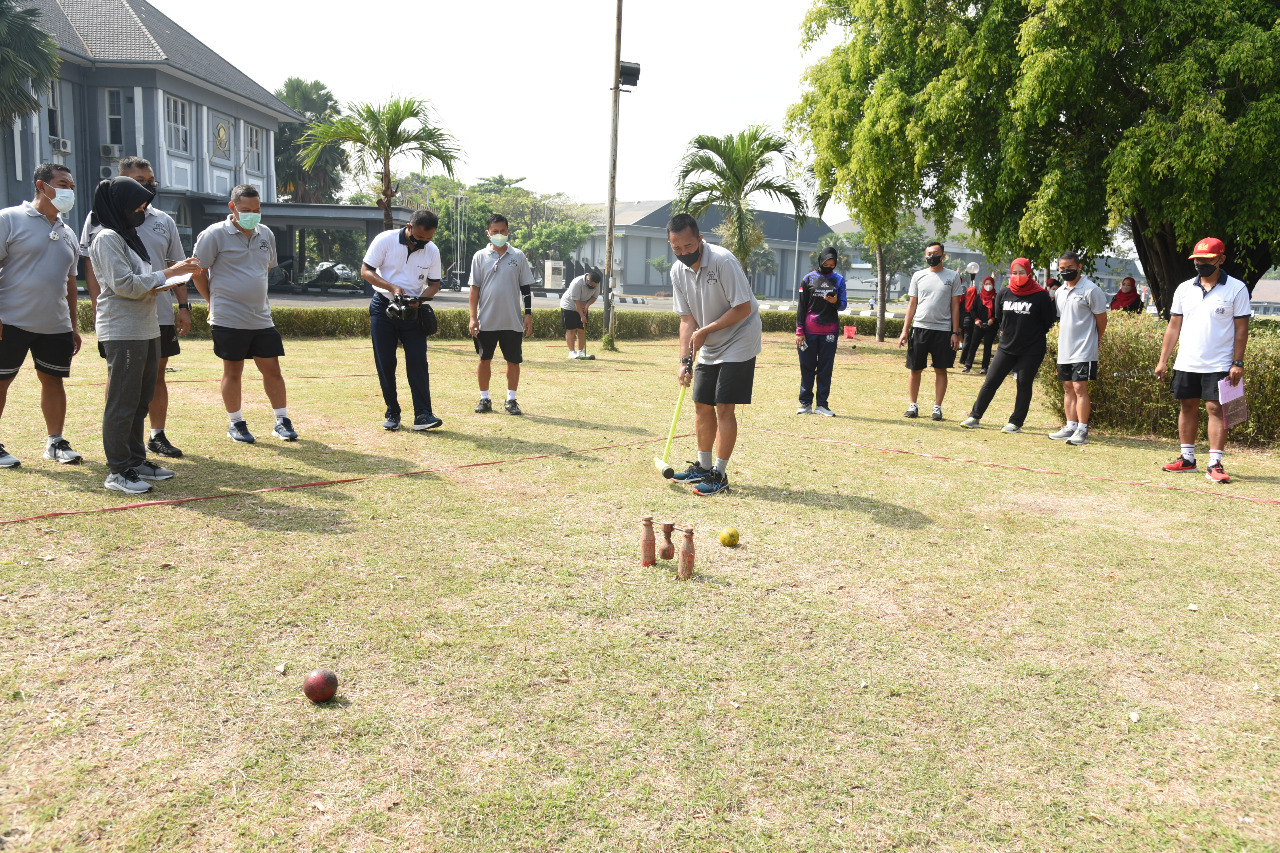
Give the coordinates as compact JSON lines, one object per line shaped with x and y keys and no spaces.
{"x":1196,"y":386}
{"x":512,"y":344}
{"x":51,"y":354}
{"x":728,"y":382}
{"x":923,"y":343}
{"x":1080,"y":371}
{"x":240,"y":344}
{"x":168,"y":343}
{"x":570,"y":319}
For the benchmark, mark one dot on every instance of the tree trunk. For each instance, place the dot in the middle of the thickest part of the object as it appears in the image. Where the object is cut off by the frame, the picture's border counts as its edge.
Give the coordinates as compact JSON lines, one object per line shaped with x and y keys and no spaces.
{"x":882,"y":291}
{"x":387,"y":194}
{"x":300,"y":265}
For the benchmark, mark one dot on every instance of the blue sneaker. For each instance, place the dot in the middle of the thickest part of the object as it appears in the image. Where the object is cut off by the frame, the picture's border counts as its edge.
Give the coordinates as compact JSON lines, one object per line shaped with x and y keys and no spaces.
{"x":284,"y":430}
{"x":392,"y":423}
{"x":239,"y":431}
{"x":713,"y":484}
{"x":693,"y":474}
{"x":426,"y":421}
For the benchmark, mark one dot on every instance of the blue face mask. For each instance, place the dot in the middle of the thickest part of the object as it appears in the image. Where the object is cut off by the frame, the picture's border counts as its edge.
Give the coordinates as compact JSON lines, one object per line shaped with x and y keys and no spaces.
{"x":248,"y":221}
{"x":498,"y":240}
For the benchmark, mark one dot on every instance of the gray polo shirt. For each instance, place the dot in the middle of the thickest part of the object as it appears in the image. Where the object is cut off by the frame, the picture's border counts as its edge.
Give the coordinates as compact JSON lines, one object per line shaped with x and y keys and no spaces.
{"x":933,"y":292}
{"x":126,"y":302}
{"x":718,"y":285}
{"x":237,"y":264}
{"x":499,"y":279}
{"x":160,"y":235}
{"x":581,"y":289}
{"x":1077,"y":328}
{"x":34,"y":269}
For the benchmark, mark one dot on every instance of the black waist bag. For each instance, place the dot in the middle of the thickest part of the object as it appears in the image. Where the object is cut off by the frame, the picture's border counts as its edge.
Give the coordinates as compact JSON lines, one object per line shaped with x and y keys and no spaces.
{"x":427,"y":320}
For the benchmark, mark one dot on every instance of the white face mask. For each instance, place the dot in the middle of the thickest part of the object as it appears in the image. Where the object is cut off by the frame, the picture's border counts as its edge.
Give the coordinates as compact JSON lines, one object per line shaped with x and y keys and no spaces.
{"x":988,"y":287}
{"x":498,"y":240}
{"x":63,"y":200}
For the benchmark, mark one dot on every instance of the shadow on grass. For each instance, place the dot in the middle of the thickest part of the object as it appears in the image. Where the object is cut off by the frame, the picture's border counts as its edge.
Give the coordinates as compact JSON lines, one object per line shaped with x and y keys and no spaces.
{"x":336,"y":459}
{"x":571,"y":423}
{"x":890,"y":515}
{"x":506,"y":446}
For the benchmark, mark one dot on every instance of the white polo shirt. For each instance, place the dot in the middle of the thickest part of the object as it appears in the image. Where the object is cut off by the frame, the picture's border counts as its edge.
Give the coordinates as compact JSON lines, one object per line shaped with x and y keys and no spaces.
{"x":392,"y":256}
{"x":1206,"y":343}
{"x":35,"y":260}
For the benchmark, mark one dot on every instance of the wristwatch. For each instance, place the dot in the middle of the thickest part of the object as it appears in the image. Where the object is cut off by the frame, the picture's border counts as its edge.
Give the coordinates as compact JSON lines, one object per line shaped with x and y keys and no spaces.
{"x":184,"y":306}
{"x":1239,"y":364}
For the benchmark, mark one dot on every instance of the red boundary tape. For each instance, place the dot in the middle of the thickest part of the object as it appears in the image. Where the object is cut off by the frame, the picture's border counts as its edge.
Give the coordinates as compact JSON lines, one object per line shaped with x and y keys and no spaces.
{"x":1148,"y":483}
{"x":312,"y":485}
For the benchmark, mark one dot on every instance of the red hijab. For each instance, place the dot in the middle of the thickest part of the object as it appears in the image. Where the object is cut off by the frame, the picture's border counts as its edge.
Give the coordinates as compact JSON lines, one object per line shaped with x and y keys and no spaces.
{"x":1123,"y":300}
{"x":988,"y":299}
{"x":1027,"y":287}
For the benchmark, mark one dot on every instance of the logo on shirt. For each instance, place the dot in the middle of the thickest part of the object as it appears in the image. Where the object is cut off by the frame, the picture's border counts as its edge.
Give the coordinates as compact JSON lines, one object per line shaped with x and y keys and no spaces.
{"x":1220,"y":310}
{"x":264,"y":245}
{"x":158,"y":228}
{"x":1018,"y":307}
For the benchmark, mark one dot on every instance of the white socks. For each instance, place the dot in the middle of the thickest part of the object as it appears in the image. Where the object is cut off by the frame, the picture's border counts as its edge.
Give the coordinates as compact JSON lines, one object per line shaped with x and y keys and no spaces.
{"x":704,"y":460}
{"x":235,"y":417}
{"x":511,"y":395}
{"x":156,"y":432}
{"x":484,"y":395}
{"x":281,"y":414}
{"x":52,"y":440}
{"x":1072,"y":424}
{"x":1189,"y":452}
{"x":721,"y":464}
{"x":1215,"y":456}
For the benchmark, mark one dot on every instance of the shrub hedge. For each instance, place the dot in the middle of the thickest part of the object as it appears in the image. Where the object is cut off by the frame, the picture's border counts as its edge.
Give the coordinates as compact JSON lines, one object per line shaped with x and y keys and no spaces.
{"x":1127,"y":398}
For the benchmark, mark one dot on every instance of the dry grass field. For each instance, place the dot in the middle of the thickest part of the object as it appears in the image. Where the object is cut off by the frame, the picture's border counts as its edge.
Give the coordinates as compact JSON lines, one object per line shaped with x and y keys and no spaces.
{"x":920,"y":644}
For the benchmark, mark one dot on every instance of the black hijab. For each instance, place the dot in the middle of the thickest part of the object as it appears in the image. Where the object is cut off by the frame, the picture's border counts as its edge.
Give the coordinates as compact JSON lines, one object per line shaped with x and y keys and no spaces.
{"x":113,"y":202}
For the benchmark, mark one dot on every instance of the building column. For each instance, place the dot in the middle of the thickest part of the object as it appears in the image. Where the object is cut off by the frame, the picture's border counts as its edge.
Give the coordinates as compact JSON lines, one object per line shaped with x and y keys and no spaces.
{"x":162,"y":145}
{"x":17,"y":149}
{"x":205,"y":143}
{"x":270,"y":154}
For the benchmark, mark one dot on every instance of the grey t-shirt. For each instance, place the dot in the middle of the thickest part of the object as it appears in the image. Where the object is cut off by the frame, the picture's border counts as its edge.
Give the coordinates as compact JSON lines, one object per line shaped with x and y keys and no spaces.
{"x":1077,"y":328}
{"x":581,"y":289}
{"x":718,"y":285}
{"x":34,"y":269}
{"x":126,"y":302}
{"x":237,"y":265}
{"x":160,"y":235}
{"x":934,"y":292}
{"x":499,"y":279}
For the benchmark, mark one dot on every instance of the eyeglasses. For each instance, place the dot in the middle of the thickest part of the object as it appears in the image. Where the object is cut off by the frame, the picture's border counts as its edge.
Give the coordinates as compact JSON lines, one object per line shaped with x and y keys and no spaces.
{"x":151,"y":185}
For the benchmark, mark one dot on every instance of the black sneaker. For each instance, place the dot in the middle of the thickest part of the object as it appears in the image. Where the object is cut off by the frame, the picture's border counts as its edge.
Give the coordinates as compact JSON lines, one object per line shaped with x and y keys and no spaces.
{"x":713,"y":485}
{"x":695,"y":473}
{"x":513,"y":408}
{"x":284,"y":430}
{"x":392,"y":423}
{"x":160,"y":446}
{"x":913,"y":411}
{"x":239,"y":431}
{"x":484,"y":406}
{"x":426,"y":421}
{"x":937,"y":413}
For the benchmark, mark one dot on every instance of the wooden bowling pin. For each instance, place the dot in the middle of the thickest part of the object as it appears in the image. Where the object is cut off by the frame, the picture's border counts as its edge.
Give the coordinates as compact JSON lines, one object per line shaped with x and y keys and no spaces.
{"x":686,"y":556}
{"x":647,"y":542}
{"x":668,"y":547}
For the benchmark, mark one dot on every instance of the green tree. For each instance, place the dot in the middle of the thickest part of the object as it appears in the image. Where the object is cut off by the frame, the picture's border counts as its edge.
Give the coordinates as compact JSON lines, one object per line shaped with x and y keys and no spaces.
{"x":726,"y":172}
{"x":845,"y":251}
{"x":550,"y":239}
{"x":299,"y":184}
{"x":28,"y":55}
{"x":375,"y":134}
{"x":902,"y":255}
{"x":762,"y":261}
{"x":661,"y":264}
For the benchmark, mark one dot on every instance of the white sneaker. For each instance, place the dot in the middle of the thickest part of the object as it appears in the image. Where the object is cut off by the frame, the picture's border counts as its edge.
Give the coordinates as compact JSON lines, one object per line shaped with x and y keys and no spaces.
{"x":128,"y":482}
{"x":804,"y":410}
{"x":573,"y":353}
{"x":824,"y":411}
{"x":149,"y":470}
{"x":1011,"y":428}
{"x":971,"y":423}
{"x":60,"y":451}
{"x":7,"y":459}
{"x":1081,"y":437}
{"x":1063,"y":434}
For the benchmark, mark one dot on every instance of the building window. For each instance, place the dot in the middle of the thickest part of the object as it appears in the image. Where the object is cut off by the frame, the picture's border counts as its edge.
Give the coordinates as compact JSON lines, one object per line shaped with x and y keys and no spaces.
{"x":55,"y":125}
{"x":177,"y":125}
{"x":254,"y":155}
{"x":115,"y":117}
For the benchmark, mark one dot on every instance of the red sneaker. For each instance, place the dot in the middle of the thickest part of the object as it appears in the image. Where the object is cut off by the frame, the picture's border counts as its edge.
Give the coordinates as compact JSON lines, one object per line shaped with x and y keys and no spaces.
{"x":1181,"y":465}
{"x":1217,"y":474}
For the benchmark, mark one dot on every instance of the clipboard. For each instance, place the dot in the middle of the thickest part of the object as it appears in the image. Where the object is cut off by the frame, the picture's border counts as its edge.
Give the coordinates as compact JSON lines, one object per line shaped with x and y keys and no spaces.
{"x":1235,"y":409}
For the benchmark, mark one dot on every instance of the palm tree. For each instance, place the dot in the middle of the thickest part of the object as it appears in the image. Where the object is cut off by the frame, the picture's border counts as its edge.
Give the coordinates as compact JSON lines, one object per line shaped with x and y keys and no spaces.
{"x":725,"y":172}
{"x":375,"y":134}
{"x":27,"y":55}
{"x":316,"y":185}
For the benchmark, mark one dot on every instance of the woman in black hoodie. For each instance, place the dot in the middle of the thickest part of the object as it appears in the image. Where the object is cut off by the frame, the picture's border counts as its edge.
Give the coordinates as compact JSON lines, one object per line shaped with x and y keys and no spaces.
{"x":1025,"y":313}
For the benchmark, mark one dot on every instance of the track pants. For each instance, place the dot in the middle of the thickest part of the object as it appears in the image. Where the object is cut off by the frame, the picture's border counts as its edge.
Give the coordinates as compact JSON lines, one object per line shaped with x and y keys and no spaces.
{"x":986,"y":336}
{"x":132,"y":367}
{"x":1026,"y":365}
{"x":816,"y":364}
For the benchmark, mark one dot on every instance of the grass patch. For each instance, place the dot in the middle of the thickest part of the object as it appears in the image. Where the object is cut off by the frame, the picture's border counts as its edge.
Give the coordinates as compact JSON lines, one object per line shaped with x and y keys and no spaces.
{"x":906,"y":651}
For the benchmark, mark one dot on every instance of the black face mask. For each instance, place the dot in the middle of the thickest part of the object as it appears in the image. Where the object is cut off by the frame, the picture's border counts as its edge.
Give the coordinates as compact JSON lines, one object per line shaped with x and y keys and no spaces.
{"x":416,"y":244}
{"x":1069,"y":275}
{"x":828,"y":271}
{"x":1206,"y":270}
{"x":134,"y":218}
{"x":933,"y":260}
{"x":691,"y":258}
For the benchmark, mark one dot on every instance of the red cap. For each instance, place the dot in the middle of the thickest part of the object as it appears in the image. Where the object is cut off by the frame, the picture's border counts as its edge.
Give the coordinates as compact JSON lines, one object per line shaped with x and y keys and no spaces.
{"x":1209,"y":247}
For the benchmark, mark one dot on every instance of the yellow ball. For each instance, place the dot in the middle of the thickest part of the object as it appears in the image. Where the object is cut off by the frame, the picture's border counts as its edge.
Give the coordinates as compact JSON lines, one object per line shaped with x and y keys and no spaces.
{"x":729,"y":537}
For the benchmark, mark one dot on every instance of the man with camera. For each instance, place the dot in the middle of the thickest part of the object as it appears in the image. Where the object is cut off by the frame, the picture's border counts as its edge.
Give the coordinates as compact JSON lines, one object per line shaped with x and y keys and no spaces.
{"x":403,"y":266}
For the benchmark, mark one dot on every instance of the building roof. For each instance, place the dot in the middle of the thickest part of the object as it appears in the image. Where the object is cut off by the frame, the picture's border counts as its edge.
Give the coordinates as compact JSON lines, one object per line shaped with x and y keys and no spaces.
{"x":1266,"y":290}
{"x":113,"y":32}
{"x":951,"y":240}
{"x":779,"y":228}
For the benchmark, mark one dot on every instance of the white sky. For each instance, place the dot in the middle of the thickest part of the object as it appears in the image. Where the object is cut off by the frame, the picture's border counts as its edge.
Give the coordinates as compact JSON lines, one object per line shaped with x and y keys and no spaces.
{"x":524,"y":86}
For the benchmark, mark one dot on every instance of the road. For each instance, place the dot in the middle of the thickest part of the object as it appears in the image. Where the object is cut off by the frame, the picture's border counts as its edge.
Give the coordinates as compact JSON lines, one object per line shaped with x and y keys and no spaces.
{"x":443,"y":299}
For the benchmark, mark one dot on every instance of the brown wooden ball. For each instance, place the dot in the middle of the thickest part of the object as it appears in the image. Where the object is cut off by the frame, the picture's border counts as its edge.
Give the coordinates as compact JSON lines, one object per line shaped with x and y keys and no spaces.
{"x":321,"y":685}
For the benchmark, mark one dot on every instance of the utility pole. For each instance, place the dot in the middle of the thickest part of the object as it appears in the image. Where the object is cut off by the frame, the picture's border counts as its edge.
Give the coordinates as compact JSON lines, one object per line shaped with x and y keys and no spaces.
{"x":613,"y":178}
